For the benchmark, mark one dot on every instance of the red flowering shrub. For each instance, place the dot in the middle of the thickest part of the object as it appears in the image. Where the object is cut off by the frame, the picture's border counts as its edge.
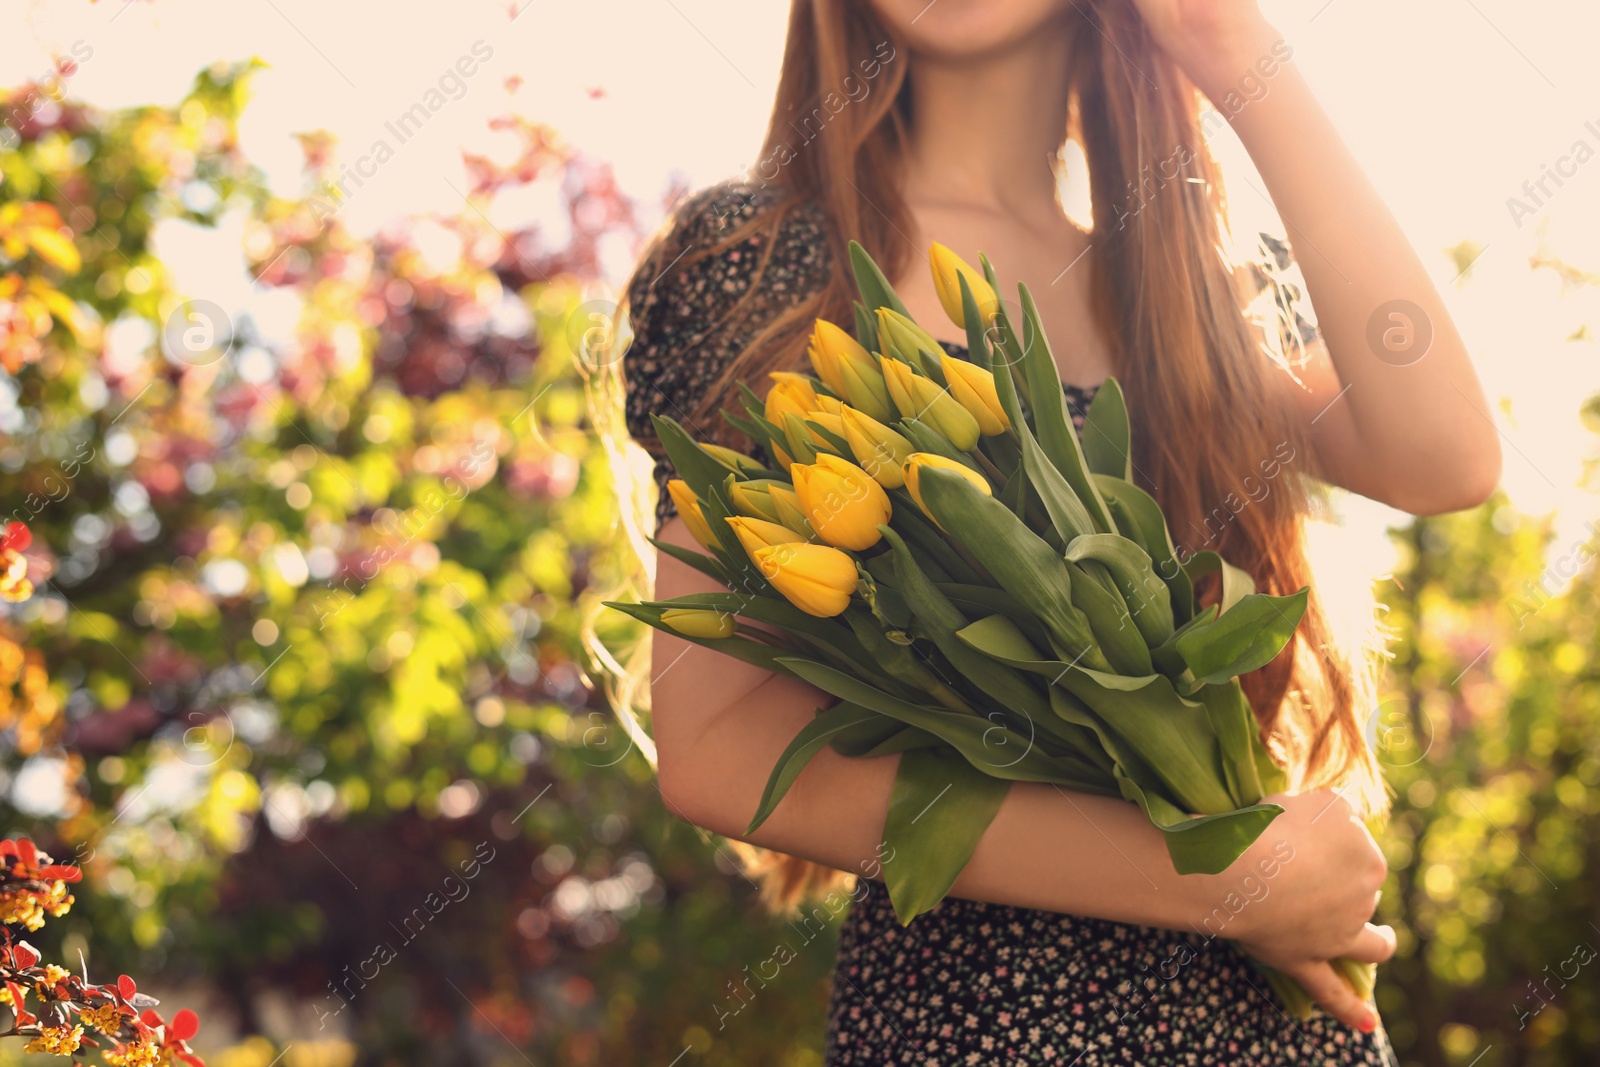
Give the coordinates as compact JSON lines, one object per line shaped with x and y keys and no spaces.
{"x":63,"y":1013}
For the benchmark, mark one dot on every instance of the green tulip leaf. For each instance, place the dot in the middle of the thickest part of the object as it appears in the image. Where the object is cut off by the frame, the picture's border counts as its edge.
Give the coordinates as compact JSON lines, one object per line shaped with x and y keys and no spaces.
{"x":1107,"y":436}
{"x":1236,"y":583}
{"x":977,"y":339}
{"x":1066,"y":511}
{"x":1148,"y":599}
{"x":1021,"y":562}
{"x":1245,"y":637}
{"x":875,"y":290}
{"x":928,"y":439}
{"x":1208,"y":844}
{"x":1110,"y":619}
{"x":1139,"y":519}
{"x":1239,"y":736}
{"x":993,"y":747}
{"x":866,"y":327}
{"x":701,"y":562}
{"x":940,"y":620}
{"x":812,"y":738}
{"x":938,"y":811}
{"x":1050,"y":421}
{"x":1170,"y":734}
{"x":741,"y":648}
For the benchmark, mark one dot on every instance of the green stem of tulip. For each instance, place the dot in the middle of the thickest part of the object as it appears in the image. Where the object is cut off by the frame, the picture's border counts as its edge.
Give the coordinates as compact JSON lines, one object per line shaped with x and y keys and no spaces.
{"x":993,"y":473}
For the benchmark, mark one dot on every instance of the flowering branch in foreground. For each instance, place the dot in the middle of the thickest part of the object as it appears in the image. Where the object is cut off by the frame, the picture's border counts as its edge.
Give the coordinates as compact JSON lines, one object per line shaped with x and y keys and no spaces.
{"x":63,"y":1013}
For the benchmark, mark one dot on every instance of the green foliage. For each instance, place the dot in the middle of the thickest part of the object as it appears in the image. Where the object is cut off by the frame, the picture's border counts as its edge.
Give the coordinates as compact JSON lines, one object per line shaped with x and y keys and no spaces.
{"x":1489,"y":738}
{"x":310,"y":609}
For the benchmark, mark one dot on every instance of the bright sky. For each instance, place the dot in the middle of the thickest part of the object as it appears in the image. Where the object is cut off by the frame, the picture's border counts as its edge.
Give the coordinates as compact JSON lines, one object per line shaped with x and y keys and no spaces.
{"x":1452,"y":105}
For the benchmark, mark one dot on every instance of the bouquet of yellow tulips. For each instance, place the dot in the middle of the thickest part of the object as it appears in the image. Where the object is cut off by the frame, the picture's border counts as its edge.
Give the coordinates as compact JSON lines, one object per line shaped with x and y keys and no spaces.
{"x":930,"y":542}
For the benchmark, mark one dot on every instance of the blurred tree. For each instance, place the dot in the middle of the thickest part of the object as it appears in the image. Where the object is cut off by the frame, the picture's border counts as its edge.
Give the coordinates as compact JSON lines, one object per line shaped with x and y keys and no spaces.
{"x":310,"y":605}
{"x":1491,"y":737}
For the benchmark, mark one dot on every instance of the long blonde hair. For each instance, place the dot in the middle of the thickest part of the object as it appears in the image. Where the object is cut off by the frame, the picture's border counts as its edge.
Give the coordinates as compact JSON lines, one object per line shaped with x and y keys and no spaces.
{"x":1209,"y":417}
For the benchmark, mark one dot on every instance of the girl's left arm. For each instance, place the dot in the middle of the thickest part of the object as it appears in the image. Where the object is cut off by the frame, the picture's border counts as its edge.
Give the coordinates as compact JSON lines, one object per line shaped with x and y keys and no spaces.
{"x":1395,"y":408}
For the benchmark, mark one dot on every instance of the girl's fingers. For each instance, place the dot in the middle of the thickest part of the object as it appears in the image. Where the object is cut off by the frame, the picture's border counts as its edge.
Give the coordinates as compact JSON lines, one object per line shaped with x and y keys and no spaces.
{"x":1334,"y":996}
{"x":1375,"y":944}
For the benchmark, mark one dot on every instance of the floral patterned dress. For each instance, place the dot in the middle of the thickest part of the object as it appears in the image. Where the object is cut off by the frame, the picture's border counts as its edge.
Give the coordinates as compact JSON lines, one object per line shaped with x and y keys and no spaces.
{"x":966,"y":983}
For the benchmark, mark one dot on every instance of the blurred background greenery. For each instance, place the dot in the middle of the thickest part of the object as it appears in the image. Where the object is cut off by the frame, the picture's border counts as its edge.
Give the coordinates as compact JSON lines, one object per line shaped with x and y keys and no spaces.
{"x":305,"y":644}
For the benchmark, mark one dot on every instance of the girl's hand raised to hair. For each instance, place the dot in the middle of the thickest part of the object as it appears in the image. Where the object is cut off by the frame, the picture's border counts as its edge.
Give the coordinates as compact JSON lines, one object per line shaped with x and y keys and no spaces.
{"x":1322,"y":889}
{"x":1213,"y":41}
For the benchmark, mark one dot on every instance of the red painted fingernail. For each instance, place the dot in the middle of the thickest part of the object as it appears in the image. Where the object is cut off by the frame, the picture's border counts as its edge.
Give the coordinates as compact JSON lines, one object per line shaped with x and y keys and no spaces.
{"x":1369,"y":1023}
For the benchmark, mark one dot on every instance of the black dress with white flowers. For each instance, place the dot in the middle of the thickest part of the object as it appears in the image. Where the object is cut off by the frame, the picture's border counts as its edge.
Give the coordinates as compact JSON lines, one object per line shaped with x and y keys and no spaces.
{"x":966,"y":983}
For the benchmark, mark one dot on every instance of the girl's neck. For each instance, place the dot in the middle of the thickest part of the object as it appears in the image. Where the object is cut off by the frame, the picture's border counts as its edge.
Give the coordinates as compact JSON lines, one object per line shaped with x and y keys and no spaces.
{"x":986,"y":130}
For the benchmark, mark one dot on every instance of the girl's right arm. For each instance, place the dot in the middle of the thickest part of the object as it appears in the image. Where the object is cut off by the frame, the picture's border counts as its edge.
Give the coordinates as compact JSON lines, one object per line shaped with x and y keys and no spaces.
{"x":1311,"y":881}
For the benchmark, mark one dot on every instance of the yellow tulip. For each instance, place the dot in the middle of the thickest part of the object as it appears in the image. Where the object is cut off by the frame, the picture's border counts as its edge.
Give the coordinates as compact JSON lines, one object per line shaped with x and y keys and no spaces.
{"x":817,"y":579}
{"x":789,"y":392}
{"x":880,"y":450}
{"x":787,"y":505}
{"x":921,"y":398}
{"x":830,"y":347}
{"x":736,"y":461}
{"x":753,"y":499}
{"x":758,"y":533}
{"x":843,"y":502}
{"x":864,"y":387}
{"x":828,"y":405}
{"x":948,"y":268}
{"x":919,"y":460}
{"x":898,"y":331}
{"x":973,"y":388}
{"x":698,"y":622}
{"x":834,"y":424}
{"x":797,"y":436}
{"x":689,"y":507}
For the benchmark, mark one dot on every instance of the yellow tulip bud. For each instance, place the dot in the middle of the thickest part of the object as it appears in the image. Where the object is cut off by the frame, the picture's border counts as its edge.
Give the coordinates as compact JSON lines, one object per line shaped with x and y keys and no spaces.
{"x":947,"y":269}
{"x":832,"y":423}
{"x":830,"y":347}
{"x":864,"y":387}
{"x":752,"y":498}
{"x":789,"y":392}
{"x":842,"y":502}
{"x":787,"y":505}
{"x":899,"y":333}
{"x":817,"y":579}
{"x":973,"y":388}
{"x":735,"y":461}
{"x":921,"y":398}
{"x":919,"y":460}
{"x":828,"y":405}
{"x":797,"y":435}
{"x":880,"y":450}
{"x":689,"y":508}
{"x":698,"y":622}
{"x":758,"y":533}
